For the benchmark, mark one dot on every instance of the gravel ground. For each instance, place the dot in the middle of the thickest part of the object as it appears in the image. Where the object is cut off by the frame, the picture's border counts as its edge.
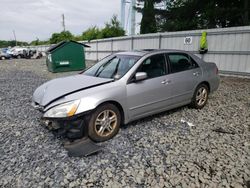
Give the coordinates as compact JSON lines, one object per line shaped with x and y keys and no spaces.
{"x":161,"y":150}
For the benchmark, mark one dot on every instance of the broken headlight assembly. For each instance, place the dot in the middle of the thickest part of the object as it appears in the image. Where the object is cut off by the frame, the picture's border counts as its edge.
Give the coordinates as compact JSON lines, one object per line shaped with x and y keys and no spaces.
{"x":63,"y":110}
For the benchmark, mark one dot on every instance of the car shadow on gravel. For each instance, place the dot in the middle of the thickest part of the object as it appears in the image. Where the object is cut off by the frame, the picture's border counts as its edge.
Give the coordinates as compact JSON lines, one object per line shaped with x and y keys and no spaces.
{"x":157,"y":116}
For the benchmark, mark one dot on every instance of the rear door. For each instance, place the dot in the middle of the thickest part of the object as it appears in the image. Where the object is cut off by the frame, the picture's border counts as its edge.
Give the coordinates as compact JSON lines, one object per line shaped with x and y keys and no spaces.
{"x":184,"y":75}
{"x":152,"y":94}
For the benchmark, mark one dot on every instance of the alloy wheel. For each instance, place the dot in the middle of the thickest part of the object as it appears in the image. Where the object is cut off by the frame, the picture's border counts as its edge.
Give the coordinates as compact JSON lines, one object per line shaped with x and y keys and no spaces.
{"x":105,"y":123}
{"x":201,"y":96}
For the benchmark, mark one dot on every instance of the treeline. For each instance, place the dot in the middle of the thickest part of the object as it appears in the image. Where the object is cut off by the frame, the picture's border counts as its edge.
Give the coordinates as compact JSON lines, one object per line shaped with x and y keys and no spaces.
{"x":111,"y":29}
{"x":5,"y":44}
{"x":178,"y":15}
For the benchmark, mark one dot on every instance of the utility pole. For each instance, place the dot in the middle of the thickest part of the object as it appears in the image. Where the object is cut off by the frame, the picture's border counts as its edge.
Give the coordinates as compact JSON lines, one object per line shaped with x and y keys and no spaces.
{"x":14,"y":36}
{"x":132,"y":17}
{"x":63,"y":22}
{"x":123,"y":4}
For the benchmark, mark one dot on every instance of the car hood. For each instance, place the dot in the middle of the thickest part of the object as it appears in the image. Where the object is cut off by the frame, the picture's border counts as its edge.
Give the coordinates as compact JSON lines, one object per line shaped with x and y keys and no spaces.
{"x":57,"y":88}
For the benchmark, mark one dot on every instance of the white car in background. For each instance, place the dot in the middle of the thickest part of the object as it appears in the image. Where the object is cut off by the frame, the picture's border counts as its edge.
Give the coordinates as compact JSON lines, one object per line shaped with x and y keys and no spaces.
{"x":17,"y":52}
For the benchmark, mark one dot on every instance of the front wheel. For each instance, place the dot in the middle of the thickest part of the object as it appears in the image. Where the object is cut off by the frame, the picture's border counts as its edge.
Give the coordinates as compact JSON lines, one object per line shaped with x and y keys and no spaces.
{"x":104,"y":123}
{"x":200,"y":97}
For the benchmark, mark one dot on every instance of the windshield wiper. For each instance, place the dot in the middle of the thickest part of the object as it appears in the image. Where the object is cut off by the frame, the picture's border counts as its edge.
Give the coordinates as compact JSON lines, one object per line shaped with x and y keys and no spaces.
{"x":97,"y":73}
{"x":116,"y":69}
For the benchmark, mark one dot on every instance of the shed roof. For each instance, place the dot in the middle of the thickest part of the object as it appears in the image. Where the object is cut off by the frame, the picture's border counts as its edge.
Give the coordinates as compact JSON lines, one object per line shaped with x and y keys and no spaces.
{"x":60,"y":44}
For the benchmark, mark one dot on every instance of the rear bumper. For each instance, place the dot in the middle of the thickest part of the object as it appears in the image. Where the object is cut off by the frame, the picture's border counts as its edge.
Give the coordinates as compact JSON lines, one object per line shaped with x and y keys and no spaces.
{"x":214,"y":83}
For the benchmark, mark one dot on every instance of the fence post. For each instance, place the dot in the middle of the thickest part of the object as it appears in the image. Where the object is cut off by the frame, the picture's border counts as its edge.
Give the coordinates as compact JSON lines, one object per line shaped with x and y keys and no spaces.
{"x":132,"y":43}
{"x":112,"y":46}
{"x":96,"y":50}
{"x":160,"y":41}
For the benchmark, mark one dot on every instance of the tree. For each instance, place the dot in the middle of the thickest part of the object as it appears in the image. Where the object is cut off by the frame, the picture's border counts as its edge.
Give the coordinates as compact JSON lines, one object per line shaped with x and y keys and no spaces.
{"x":12,"y":43}
{"x":58,"y":37}
{"x":246,"y":12}
{"x":226,"y":13}
{"x":148,"y":21}
{"x":38,"y":42}
{"x":77,"y":37}
{"x":180,"y":15}
{"x":196,"y":14}
{"x":91,"y":33}
{"x":193,"y":14}
{"x":112,"y":29}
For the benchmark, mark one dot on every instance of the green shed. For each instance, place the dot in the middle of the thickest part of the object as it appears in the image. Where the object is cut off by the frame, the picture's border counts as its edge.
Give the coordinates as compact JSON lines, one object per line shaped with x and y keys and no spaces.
{"x":66,"y":56}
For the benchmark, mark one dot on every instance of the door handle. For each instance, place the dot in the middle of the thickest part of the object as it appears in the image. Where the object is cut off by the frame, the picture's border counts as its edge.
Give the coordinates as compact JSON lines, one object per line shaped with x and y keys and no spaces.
{"x":166,"y":82}
{"x":196,"y":73}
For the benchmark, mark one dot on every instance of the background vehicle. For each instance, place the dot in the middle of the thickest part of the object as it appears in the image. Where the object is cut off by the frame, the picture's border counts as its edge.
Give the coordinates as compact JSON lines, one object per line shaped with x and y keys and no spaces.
{"x":124,"y":87}
{"x":18,"y":52}
{"x":4,"y":54}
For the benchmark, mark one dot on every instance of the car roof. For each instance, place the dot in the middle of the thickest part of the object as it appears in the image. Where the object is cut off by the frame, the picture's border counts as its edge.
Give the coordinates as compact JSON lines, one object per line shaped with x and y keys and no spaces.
{"x":148,"y":51}
{"x":133,"y":53}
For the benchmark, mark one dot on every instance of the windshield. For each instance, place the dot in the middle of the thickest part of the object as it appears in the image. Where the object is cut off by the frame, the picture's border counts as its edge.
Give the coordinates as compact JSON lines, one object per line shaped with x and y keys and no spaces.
{"x":112,"y":66}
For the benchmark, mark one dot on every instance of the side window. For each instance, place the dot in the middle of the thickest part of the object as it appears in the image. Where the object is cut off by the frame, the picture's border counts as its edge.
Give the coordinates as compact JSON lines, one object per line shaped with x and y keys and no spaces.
{"x":181,"y":62}
{"x":154,"y":66}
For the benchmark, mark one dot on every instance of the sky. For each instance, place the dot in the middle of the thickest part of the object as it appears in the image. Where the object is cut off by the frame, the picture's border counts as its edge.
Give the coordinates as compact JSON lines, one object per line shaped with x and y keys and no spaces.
{"x":33,"y":19}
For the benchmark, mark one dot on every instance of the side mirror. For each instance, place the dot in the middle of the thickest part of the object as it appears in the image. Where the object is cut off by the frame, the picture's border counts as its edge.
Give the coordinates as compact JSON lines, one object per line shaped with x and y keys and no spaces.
{"x":140,"y":76}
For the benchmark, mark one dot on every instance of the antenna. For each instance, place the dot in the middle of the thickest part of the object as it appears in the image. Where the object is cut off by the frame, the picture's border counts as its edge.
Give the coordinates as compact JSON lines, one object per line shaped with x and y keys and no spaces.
{"x":63,"y":22}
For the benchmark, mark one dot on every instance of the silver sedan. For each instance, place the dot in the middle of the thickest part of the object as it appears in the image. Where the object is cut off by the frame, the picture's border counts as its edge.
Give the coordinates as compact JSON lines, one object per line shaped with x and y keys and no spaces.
{"x":124,"y":87}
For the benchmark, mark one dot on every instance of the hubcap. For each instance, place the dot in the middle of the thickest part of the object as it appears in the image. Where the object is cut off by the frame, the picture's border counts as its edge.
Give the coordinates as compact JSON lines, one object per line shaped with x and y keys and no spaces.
{"x":105,"y":123}
{"x":201,"y":96}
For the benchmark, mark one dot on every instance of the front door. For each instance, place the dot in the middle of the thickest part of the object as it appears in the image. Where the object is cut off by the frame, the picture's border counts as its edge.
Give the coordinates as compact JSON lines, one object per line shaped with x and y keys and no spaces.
{"x":152,"y":94}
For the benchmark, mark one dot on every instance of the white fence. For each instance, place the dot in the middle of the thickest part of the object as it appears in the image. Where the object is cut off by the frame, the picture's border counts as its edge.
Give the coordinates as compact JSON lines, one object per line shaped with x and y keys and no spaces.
{"x":229,"y":48}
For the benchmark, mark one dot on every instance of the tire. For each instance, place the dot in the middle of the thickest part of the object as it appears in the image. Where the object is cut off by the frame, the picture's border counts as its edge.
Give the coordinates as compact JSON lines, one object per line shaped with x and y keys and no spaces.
{"x":101,"y":128}
{"x":2,"y":58}
{"x":19,"y":57}
{"x":200,"y":96}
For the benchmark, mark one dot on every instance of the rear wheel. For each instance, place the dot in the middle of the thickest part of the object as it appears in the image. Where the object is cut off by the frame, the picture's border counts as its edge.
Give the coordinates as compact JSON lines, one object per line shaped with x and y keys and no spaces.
{"x":104,"y":123}
{"x":2,"y":58}
{"x":19,"y":57}
{"x":200,"y":96}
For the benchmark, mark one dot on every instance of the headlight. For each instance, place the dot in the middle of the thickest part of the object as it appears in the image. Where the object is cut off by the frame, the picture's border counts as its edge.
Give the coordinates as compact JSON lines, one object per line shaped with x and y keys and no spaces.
{"x":64,"y":110}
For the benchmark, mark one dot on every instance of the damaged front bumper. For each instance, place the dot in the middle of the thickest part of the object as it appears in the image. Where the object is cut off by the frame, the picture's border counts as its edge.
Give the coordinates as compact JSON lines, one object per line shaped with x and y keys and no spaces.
{"x":76,"y":130}
{"x":72,"y":128}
